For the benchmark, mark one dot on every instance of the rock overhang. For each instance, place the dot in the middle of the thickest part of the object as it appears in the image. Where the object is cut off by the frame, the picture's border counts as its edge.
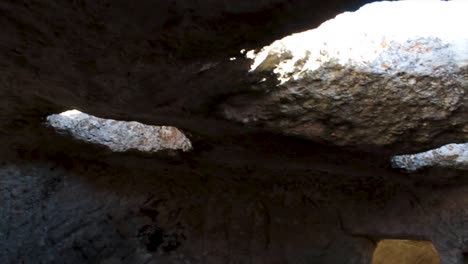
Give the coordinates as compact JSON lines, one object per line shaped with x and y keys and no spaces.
{"x":386,"y":75}
{"x":234,"y":185}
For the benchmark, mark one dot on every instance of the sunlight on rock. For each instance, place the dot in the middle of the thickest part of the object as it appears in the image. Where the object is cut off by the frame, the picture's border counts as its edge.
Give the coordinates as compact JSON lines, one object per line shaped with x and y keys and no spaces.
{"x":71,"y":113}
{"x":451,"y":155}
{"x":119,"y":136}
{"x":395,"y":251}
{"x":390,"y":70}
{"x":418,"y":37}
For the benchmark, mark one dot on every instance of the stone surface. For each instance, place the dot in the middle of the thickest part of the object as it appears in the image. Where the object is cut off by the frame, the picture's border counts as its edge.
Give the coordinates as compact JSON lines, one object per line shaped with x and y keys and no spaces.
{"x":246,"y":193}
{"x":387,"y":74}
{"x":449,"y":156}
{"x":394,"y":251}
{"x":73,"y":209}
{"x":164,"y":62}
{"x":119,"y":135}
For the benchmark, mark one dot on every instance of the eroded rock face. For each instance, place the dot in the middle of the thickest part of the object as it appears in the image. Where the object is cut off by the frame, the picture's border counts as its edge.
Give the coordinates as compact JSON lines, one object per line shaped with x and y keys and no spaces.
{"x":119,"y":135}
{"x":364,"y":79}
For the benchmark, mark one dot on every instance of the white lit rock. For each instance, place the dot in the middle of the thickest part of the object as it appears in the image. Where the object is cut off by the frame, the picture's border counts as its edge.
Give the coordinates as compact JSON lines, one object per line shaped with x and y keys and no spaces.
{"x":451,"y":156}
{"x":414,"y":37}
{"x":119,"y":136}
{"x":390,"y":70}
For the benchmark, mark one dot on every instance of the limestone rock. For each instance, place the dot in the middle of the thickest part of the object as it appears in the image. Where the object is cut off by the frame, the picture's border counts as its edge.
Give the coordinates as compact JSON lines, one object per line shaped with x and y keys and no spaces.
{"x":119,"y":136}
{"x":451,"y":155}
{"x":377,"y":77}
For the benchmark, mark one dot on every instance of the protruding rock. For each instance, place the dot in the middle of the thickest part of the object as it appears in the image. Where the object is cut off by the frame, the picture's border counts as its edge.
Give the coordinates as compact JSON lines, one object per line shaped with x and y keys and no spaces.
{"x":390,"y":73}
{"x":119,"y":136}
{"x":451,"y":155}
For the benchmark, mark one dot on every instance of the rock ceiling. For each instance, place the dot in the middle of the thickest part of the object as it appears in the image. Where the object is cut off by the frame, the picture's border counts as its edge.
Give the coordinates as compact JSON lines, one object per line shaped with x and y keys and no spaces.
{"x":290,"y":145}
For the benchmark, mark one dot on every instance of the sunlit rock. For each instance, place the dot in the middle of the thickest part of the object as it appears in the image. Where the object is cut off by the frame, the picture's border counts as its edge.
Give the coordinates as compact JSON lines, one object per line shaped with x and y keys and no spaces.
{"x":119,"y":136}
{"x":451,"y":155}
{"x":396,"y":251}
{"x":391,"y":72}
{"x":382,"y":37}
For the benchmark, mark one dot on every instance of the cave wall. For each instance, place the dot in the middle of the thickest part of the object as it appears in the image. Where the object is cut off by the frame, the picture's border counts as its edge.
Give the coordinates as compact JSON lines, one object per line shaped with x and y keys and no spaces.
{"x":243,"y":195}
{"x":54,"y":216}
{"x":94,"y":206}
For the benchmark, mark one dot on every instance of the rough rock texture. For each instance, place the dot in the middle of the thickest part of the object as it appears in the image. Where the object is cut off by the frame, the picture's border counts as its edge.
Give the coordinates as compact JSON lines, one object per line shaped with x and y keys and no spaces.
{"x":246,"y":193}
{"x":119,"y":135}
{"x":451,"y":155}
{"x":366,"y":78}
{"x":86,"y":207}
{"x":186,"y":220}
{"x":164,"y":62}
